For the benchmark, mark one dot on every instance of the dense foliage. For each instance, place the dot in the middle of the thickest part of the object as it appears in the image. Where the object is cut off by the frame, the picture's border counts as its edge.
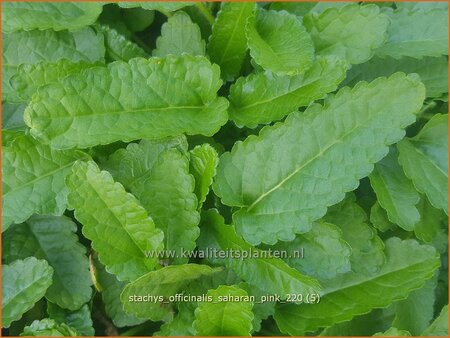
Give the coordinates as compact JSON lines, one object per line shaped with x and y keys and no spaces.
{"x":134,"y":132}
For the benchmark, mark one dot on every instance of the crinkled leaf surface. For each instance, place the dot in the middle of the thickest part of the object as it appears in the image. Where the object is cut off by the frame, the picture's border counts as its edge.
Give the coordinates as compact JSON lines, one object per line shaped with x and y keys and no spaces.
{"x":48,"y":15}
{"x":179,"y":35}
{"x":395,"y":192}
{"x":393,"y":332}
{"x":278,"y":42}
{"x":227,"y":44}
{"x":266,"y":97}
{"x":271,"y":185}
{"x":147,"y":98}
{"x":424,"y":159}
{"x":164,"y":6}
{"x":118,"y":226}
{"x":33,"y":179}
{"x":353,"y":32}
{"x":80,"y":319}
{"x":164,"y":282}
{"x":30,"y":77}
{"x":48,"y":328}
{"x":202,"y":165}
{"x":24,"y":282}
{"x":222,"y":318}
{"x":416,"y":33}
{"x":407,"y":268}
{"x":439,"y":327}
{"x":160,"y":180}
{"x":53,"y":239}
{"x":12,"y":116}
{"x":258,"y":271}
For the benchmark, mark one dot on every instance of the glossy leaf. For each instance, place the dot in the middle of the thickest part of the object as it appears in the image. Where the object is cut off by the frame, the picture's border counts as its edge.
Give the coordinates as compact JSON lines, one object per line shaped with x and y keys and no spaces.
{"x":24,"y":282}
{"x":118,"y":226}
{"x":271,"y":186}
{"x":227,"y":44}
{"x":141,"y":103}
{"x":278,"y":42}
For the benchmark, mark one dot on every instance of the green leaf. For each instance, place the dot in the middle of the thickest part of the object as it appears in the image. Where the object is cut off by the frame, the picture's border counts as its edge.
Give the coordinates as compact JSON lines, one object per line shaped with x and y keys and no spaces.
{"x":29,"y":77}
{"x":439,"y":327}
{"x":303,"y":8}
{"x":433,"y":72}
{"x":141,"y":103}
{"x":407,"y":268}
{"x":162,"y":6}
{"x":53,"y":239}
{"x":264,"y":97}
{"x":202,"y":165}
{"x":353,"y":32}
{"x":395,"y":192}
{"x":259,"y":271}
{"x":393,"y":332}
{"x":160,"y":284}
{"x":425,"y":6}
{"x":117,"y":46}
{"x":118,"y":226}
{"x":179,"y":35}
{"x":285,"y":176}
{"x":141,"y":168}
{"x":47,"y":15}
{"x":138,"y":19}
{"x":34,"y":46}
{"x":416,"y":34}
{"x":327,"y":253}
{"x":80,"y":319}
{"x":278,"y":42}
{"x":48,"y":328}
{"x":111,"y":288}
{"x":261,"y":311}
{"x":24,"y":282}
{"x":227,"y":44}
{"x":367,"y":254}
{"x":424,"y":159}
{"x":379,"y":218}
{"x":12,"y":116}
{"x":222,"y":317}
{"x":33,"y":179}
{"x":431,"y":227}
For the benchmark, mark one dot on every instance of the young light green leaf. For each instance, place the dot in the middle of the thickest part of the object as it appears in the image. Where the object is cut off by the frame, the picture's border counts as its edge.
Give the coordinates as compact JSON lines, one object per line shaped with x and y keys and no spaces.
{"x":160,"y":284}
{"x":58,"y":16}
{"x":12,"y":116}
{"x":34,"y":46}
{"x":353,"y":32}
{"x":162,"y":6}
{"x":407,"y":268}
{"x":395,"y":192}
{"x":48,"y":328}
{"x":439,"y":327}
{"x":202,"y":165}
{"x":141,"y":103}
{"x":80,"y":319}
{"x":424,"y":159}
{"x":33,"y":179}
{"x":165,"y":188}
{"x":367,"y":254}
{"x":53,"y":239}
{"x":111,"y":288}
{"x":393,"y":332}
{"x":327,"y":253}
{"x":431,"y":227}
{"x":259,"y":271}
{"x":416,"y":33}
{"x":224,"y":318}
{"x":227,"y":44}
{"x":272,"y":186}
{"x":24,"y":282}
{"x":264,"y":97}
{"x":433,"y":72}
{"x":179,"y":35}
{"x":278,"y":42}
{"x":29,"y":77}
{"x":118,"y":226}
{"x":302,"y":8}
{"x":117,"y":46}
